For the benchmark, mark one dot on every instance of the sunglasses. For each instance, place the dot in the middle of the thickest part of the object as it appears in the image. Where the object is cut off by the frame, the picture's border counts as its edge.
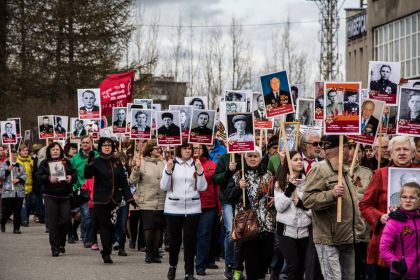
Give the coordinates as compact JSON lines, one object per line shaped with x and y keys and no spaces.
{"x":315,"y":144}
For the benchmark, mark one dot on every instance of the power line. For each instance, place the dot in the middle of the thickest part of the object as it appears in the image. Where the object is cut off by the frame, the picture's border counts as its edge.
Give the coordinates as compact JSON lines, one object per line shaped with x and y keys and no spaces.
{"x":226,"y":25}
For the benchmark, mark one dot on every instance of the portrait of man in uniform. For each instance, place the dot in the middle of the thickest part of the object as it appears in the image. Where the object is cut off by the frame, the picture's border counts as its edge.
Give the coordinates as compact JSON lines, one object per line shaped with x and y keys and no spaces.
{"x":384,"y":85}
{"x":8,"y":135}
{"x":276,"y":97}
{"x":168,"y":127}
{"x":203,"y":119}
{"x":240,"y":123}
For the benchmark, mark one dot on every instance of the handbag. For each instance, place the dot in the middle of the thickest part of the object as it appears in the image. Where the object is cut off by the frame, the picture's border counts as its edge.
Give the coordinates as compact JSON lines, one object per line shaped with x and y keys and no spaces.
{"x":79,"y":198}
{"x":245,"y":226}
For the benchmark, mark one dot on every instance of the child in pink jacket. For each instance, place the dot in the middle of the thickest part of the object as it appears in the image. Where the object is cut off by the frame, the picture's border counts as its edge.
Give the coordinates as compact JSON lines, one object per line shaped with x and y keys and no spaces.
{"x":400,"y":241}
{"x":88,"y":185}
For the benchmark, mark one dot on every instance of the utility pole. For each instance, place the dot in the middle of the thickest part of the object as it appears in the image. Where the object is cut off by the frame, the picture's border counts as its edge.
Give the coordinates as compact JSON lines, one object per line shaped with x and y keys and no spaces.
{"x":329,"y":64}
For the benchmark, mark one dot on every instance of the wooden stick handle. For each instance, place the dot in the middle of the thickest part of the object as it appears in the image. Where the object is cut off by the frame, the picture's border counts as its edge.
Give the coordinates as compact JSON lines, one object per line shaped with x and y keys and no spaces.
{"x":354,"y":160}
{"x":260,"y":142}
{"x":243,"y":176}
{"x":340,"y":177}
{"x":379,"y":146}
{"x":11,"y":171}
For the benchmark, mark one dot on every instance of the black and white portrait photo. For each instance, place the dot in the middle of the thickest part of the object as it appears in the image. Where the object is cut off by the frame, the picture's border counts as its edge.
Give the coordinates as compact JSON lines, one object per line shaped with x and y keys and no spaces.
{"x":119,"y":119}
{"x":61,"y":126}
{"x":168,"y":129}
{"x":305,"y":111}
{"x":46,"y":127}
{"x":202,"y":126}
{"x":397,"y":177}
{"x":197,"y":102}
{"x":141,"y":120}
{"x":8,"y":132}
{"x":77,"y":128}
{"x":235,"y":107}
{"x":240,"y":128}
{"x":18,"y":126}
{"x":57,"y":170}
{"x":185,"y":112}
{"x":409,"y":112}
{"x":351,"y":103}
{"x":383,"y":80}
{"x":89,"y":103}
{"x":236,"y":96}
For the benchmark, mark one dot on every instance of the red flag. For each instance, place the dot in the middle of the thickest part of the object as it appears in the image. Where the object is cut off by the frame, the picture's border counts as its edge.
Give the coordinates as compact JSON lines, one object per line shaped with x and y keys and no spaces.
{"x":116,"y":91}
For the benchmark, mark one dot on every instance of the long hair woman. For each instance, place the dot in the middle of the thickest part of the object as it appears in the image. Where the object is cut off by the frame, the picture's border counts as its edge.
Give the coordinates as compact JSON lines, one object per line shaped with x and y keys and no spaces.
{"x":293,"y":220}
{"x":109,"y":188}
{"x":57,"y":193}
{"x":182,"y":179}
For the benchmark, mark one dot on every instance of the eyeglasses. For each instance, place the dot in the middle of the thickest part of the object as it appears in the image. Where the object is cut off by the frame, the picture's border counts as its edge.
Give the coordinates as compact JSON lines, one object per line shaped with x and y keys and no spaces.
{"x":157,"y":148}
{"x":412,"y":198}
{"x":197,"y":148}
{"x":315,"y":144}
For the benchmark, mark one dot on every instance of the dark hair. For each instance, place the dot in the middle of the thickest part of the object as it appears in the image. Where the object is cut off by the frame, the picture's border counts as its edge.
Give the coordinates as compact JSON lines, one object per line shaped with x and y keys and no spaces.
{"x":196,"y":99}
{"x":68,"y":146}
{"x":385,"y":65}
{"x":147,"y":151}
{"x":52,"y":145}
{"x":88,"y":91}
{"x":417,"y":141}
{"x":102,"y":141}
{"x":139,"y":113}
{"x":331,"y":90}
{"x":205,"y":151}
{"x":184,"y":145}
{"x":413,"y":185}
{"x":203,"y":113}
{"x":283,"y":171}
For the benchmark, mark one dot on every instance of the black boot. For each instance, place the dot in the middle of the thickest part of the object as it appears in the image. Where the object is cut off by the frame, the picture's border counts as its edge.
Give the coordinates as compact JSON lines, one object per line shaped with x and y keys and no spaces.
{"x":171,"y":273}
{"x":121,"y":252}
{"x":106,"y":257}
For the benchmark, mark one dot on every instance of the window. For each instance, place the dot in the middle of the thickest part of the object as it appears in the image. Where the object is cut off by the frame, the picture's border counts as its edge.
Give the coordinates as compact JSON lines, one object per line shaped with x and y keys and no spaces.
{"x":400,"y":41}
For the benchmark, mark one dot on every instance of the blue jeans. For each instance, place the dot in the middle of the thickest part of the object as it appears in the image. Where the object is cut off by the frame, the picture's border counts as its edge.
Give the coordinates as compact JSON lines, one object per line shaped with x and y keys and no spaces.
{"x":28,"y":204}
{"x":229,"y":245}
{"x":120,"y":234}
{"x":84,"y":214}
{"x":204,"y":233}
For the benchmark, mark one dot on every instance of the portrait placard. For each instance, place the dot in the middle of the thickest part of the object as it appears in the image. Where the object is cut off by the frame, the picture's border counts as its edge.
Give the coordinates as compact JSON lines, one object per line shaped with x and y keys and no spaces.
{"x":46,"y":127}
{"x":371,"y":115}
{"x":8,"y":132}
{"x":92,"y":127}
{"x":260,"y":115}
{"x":305,"y":112}
{"x":341,"y":108}
{"x":240,"y":127}
{"x":383,"y":81}
{"x":408,"y":120}
{"x":77,"y":128}
{"x":168,"y":129}
{"x":185,"y":112}
{"x":389,"y":119}
{"x":145,"y":103}
{"x":292,"y":136}
{"x":61,"y":124}
{"x":89,"y":103}
{"x":202,"y":127}
{"x":142,"y":123}
{"x":276,"y":91}
{"x":119,"y":120}
{"x":319,"y":100}
{"x":57,"y":170}
{"x":397,"y":177}
{"x":197,"y":102}
{"x":18,"y":126}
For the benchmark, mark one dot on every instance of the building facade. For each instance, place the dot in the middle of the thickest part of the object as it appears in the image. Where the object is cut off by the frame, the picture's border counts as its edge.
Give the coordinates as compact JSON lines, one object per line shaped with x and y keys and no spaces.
{"x":384,"y":31}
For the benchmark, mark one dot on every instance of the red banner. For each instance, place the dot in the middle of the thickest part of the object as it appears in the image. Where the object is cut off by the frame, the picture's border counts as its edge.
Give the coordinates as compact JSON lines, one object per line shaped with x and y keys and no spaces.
{"x":116,"y":91}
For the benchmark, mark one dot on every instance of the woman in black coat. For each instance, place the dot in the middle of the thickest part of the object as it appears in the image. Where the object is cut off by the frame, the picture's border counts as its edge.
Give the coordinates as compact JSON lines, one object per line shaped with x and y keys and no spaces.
{"x":56,"y":175}
{"x":109,"y":188}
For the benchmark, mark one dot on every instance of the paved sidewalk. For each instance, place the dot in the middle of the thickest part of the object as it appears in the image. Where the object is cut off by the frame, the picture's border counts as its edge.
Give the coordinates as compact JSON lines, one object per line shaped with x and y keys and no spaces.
{"x":27,"y":256}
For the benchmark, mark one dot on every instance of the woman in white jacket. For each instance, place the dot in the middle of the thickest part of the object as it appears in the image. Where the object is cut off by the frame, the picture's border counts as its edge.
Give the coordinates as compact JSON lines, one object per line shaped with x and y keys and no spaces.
{"x":182,"y":179}
{"x":293,"y":220}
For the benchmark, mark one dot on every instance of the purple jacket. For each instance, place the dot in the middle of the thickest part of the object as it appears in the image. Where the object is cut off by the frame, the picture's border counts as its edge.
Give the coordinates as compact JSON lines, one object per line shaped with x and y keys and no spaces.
{"x":407,"y":224}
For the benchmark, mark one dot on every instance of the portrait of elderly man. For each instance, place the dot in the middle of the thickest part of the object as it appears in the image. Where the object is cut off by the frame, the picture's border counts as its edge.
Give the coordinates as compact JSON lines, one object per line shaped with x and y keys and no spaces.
{"x":413,"y":114}
{"x":120,"y":118}
{"x":384,"y":85}
{"x":369,"y":122}
{"x":8,"y":132}
{"x":168,"y":127}
{"x":240,"y":125}
{"x":276,"y":97}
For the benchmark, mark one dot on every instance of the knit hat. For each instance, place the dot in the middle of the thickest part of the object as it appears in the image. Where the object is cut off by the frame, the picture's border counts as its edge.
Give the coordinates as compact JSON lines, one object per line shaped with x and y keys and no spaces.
{"x":273,"y":141}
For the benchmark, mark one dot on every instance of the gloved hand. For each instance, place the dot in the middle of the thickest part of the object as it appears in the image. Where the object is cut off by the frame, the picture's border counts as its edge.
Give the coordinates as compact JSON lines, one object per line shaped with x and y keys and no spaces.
{"x":91,"y":156}
{"x":289,"y":190}
{"x":400,"y":267}
{"x":134,"y":203}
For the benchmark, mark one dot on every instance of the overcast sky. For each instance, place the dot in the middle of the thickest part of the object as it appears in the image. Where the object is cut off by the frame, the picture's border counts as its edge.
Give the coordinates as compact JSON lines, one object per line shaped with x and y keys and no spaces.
{"x":303,"y":14}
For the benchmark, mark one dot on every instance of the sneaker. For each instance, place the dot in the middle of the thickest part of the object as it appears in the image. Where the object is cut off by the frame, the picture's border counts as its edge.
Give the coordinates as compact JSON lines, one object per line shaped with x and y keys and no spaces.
{"x":212,"y":266}
{"x":171,"y":273}
{"x":201,"y":272}
{"x":55,"y":253}
{"x":148,"y":259}
{"x":237,"y":275}
{"x":94,"y":247}
{"x":228,"y":273}
{"x":71,"y":239}
{"x":116,"y":247}
{"x":107,"y":259}
{"x":190,"y":277}
{"x":87,"y":244}
{"x":62,"y":250}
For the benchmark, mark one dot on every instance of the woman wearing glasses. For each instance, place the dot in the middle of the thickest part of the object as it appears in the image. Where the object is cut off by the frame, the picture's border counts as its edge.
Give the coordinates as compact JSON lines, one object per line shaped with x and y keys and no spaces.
{"x":182,"y":179}
{"x":147,"y":173}
{"x":109,"y":188}
{"x":258,"y":185}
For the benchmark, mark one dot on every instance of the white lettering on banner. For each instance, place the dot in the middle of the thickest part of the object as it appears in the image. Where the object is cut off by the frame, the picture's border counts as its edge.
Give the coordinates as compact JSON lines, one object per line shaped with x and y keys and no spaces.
{"x":356,"y":26}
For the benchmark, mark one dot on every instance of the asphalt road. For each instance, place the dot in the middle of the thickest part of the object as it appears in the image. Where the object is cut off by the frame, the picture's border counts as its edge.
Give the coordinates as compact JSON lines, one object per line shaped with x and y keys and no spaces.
{"x":27,"y":256}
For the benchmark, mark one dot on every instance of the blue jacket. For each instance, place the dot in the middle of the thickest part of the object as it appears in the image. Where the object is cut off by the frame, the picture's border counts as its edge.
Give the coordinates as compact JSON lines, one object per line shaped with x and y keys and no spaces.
{"x":18,"y":173}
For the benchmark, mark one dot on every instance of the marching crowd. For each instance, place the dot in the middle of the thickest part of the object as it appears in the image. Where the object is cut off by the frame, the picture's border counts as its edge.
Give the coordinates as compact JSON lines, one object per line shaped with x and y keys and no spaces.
{"x":193,"y":196}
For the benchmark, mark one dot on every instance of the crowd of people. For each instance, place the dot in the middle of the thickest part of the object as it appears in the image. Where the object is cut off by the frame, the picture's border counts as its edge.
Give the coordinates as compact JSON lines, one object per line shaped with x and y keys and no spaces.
{"x":161,"y":199}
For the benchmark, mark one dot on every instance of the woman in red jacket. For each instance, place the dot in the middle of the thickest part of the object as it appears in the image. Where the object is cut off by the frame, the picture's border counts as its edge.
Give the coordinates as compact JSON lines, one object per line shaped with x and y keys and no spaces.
{"x":210,"y":205}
